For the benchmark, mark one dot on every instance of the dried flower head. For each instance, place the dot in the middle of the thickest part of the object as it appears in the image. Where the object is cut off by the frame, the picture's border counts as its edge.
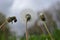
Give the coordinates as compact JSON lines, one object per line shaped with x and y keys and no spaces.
{"x":42,"y":16}
{"x":28,"y":17}
{"x":11,"y":19}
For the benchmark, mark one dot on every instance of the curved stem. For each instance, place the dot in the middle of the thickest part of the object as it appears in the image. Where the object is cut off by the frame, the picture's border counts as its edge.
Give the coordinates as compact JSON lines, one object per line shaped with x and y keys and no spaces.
{"x":48,"y":31}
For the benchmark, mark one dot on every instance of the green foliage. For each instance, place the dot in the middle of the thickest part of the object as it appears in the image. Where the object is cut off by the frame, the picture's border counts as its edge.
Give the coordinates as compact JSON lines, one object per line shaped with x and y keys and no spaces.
{"x":38,"y":37}
{"x":56,"y":34}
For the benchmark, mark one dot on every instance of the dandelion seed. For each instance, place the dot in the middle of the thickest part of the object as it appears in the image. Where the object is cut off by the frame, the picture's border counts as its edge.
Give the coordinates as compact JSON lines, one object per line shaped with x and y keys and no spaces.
{"x":28,"y":17}
{"x":8,"y":20}
{"x":42,"y":17}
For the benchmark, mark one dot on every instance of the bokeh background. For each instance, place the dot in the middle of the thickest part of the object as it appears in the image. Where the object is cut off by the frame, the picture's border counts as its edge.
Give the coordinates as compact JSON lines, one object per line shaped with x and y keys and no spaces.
{"x":19,"y":8}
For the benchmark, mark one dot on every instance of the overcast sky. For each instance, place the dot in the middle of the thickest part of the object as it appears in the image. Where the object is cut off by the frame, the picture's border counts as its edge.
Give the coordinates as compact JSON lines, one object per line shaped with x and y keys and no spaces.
{"x":14,"y":8}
